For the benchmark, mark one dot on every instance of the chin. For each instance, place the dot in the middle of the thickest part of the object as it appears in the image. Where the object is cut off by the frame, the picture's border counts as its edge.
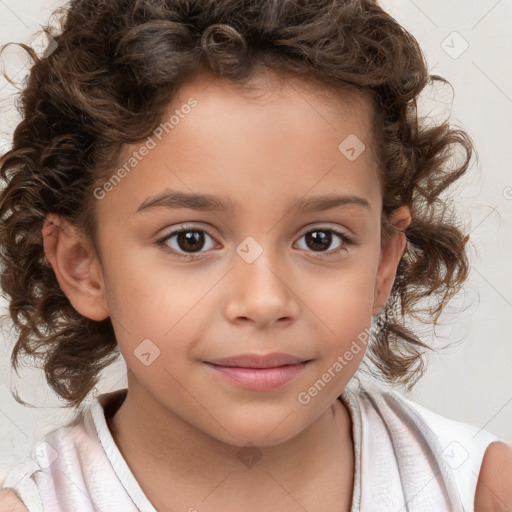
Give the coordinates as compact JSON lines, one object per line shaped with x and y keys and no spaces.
{"x":261,"y":434}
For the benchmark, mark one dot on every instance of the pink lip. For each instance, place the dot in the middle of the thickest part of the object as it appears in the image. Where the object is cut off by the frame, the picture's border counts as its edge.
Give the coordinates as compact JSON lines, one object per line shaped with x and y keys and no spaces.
{"x":259,"y":373}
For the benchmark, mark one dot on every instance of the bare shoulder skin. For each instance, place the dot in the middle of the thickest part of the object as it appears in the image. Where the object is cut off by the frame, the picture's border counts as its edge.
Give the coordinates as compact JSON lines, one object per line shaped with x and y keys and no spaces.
{"x":494,"y":488}
{"x":9,"y":502}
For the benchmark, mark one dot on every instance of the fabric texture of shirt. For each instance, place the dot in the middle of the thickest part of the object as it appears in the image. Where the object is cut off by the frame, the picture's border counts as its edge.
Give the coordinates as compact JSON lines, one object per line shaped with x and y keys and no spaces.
{"x":407,"y":458}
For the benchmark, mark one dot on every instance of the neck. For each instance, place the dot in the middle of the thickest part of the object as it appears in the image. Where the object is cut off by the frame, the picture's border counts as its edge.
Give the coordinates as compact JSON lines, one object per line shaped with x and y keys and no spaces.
{"x":170,"y":457}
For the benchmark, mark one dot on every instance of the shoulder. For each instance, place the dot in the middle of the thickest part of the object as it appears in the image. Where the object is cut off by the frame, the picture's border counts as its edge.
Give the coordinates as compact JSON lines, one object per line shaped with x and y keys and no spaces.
{"x":494,"y":488}
{"x":20,"y":489}
{"x":457,"y":448}
{"x":9,"y":502}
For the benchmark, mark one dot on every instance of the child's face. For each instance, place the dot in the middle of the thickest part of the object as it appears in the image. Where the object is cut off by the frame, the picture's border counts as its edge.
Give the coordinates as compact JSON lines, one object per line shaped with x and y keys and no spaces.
{"x":260,"y":283}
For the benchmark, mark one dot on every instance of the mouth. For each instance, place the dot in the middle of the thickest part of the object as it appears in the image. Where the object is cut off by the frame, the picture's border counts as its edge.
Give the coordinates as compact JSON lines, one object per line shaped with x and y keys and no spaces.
{"x":260,"y":361}
{"x":258,"y":372}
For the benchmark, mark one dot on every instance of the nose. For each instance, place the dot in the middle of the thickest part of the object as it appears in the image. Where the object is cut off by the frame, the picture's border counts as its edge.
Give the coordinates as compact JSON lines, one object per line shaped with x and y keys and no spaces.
{"x":261,"y":292}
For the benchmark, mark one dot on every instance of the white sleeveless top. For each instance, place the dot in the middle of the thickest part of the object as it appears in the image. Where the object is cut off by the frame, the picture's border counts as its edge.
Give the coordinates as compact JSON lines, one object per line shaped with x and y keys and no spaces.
{"x":407,"y":458}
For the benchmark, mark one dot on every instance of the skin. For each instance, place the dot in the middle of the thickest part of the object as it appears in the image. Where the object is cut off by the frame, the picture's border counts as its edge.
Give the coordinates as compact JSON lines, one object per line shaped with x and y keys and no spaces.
{"x":494,"y":487}
{"x":181,"y":426}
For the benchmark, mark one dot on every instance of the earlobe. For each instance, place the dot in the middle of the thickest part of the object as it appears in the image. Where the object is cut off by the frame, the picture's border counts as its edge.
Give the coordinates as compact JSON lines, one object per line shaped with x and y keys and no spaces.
{"x":390,"y":255}
{"x":76,"y":267}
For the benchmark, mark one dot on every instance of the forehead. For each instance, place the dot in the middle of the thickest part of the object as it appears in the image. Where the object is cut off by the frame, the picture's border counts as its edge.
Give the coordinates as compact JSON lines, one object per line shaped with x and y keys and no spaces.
{"x":271,"y":135}
{"x":282,"y":93}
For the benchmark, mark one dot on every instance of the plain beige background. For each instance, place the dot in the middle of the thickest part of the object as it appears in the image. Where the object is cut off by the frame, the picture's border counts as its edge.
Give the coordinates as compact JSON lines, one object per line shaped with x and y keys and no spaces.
{"x":469,"y":43}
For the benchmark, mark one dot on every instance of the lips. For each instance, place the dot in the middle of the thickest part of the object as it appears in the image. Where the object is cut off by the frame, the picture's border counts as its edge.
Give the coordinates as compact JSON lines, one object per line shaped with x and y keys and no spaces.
{"x":272,"y":360}
{"x":257,"y":372}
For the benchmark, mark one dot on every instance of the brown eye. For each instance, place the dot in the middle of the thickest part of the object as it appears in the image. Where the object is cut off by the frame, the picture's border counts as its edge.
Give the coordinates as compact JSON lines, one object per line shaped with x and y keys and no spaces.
{"x":319,"y":240}
{"x":185,"y":241}
{"x":190,"y":241}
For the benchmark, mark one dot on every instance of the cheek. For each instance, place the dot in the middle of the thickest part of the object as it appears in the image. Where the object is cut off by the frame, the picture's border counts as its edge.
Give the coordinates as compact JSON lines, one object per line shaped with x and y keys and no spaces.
{"x":139,"y":288}
{"x":343,"y":300}
{"x":342,"y":307}
{"x":151,"y":301}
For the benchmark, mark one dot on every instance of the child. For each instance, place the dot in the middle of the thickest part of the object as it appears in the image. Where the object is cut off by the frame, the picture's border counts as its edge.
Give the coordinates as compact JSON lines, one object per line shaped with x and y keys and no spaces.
{"x":265,"y":129}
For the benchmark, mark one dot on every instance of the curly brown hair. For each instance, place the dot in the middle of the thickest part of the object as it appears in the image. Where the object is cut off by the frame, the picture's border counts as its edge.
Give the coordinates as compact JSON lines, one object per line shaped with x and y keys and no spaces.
{"x":118,"y":64}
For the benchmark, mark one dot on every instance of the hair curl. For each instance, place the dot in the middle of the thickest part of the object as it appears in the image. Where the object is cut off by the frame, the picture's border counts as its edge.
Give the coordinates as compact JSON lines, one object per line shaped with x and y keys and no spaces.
{"x":117,"y":65}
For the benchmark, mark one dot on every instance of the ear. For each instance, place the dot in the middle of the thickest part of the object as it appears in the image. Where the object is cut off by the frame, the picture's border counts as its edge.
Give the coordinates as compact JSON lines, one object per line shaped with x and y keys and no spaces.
{"x":76,"y":267}
{"x":391,"y":252}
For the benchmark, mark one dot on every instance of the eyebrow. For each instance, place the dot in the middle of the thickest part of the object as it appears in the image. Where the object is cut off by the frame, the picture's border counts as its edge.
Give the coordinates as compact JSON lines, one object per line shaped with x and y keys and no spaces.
{"x":207,"y":202}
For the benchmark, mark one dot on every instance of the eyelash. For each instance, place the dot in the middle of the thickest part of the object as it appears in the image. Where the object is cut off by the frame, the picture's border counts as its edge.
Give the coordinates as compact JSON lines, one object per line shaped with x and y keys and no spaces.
{"x":161,"y":242}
